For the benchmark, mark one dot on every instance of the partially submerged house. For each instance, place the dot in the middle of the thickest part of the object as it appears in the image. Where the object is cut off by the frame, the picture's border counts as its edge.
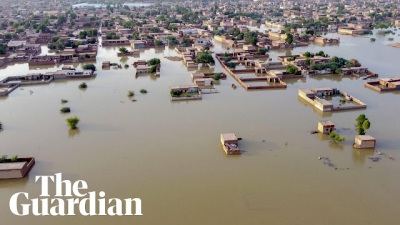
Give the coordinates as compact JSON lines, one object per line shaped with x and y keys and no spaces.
{"x":316,"y":97}
{"x":18,"y":169}
{"x":204,"y":81}
{"x":364,"y":141}
{"x":385,"y":84}
{"x":185,"y":92}
{"x":229,"y":143}
{"x":326,"y":127}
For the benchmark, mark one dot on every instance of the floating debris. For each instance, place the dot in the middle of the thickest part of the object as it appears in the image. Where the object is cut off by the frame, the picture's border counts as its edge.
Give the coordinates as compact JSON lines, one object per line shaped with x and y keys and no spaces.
{"x":375,"y":159}
{"x":313,"y":132}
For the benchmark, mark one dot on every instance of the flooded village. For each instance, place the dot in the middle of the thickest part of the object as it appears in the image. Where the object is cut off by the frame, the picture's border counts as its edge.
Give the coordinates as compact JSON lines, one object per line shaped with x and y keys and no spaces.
{"x":284,"y":103}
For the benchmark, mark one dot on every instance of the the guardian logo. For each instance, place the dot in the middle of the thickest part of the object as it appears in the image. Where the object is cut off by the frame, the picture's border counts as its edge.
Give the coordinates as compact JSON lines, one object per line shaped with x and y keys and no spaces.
{"x":88,"y":203}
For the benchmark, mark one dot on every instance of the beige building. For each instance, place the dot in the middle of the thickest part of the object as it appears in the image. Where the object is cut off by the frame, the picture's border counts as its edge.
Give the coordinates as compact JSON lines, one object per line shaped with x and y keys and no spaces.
{"x":364,"y":141}
{"x":326,"y":127}
{"x":229,"y":142}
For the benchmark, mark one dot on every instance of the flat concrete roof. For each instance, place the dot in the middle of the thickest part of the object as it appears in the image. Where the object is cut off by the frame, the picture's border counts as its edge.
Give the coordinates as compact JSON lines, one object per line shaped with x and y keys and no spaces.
{"x":229,"y":137}
{"x":366,"y":137}
{"x":11,"y":166}
{"x":184,"y":86}
{"x":322,"y":89}
{"x":307,"y":91}
{"x":326,"y":123}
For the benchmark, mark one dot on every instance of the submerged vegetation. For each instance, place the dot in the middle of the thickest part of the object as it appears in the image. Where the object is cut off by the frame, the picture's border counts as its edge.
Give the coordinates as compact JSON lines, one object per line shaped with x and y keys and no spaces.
{"x":3,"y":159}
{"x":65,"y":110}
{"x":336,"y":137}
{"x":83,"y":85}
{"x":72,"y":122}
{"x":216,"y":76}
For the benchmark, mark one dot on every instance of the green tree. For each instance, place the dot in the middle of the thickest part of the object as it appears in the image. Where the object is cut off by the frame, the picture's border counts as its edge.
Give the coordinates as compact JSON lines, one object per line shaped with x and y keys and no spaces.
{"x":154,"y":61}
{"x":72,"y":122}
{"x":289,"y":38}
{"x":251,"y":37}
{"x":153,"y":69}
{"x":89,"y":67}
{"x":204,"y":57}
{"x":291,"y":69}
{"x":82,"y":34}
{"x":362,"y":124}
{"x":123,"y":50}
{"x":186,"y":41}
{"x":3,"y":49}
{"x":336,"y":137}
{"x":172,"y":40}
{"x":158,"y":43}
{"x":262,"y":51}
{"x":216,"y":76}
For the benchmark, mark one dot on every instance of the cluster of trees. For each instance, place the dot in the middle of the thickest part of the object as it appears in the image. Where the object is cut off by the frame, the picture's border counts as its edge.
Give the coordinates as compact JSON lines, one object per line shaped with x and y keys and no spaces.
{"x":88,"y":33}
{"x":237,"y":15}
{"x":291,"y":69}
{"x":334,"y":65}
{"x":112,"y":35}
{"x":172,"y":40}
{"x":289,"y":38}
{"x":204,"y":57}
{"x":384,"y":25}
{"x":89,"y":67}
{"x":262,"y":51}
{"x":175,"y":93}
{"x":154,"y":29}
{"x":3,"y":159}
{"x":186,"y":41}
{"x":3,"y":49}
{"x":57,"y":43}
{"x":251,"y":37}
{"x":158,"y":43}
{"x":154,"y":62}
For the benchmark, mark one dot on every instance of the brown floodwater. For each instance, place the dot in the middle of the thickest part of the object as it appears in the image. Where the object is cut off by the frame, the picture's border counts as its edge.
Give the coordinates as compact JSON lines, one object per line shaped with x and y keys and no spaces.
{"x":169,"y":153}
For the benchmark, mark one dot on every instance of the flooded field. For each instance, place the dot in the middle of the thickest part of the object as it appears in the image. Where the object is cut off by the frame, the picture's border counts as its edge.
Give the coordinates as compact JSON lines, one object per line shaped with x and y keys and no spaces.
{"x":169,"y":153}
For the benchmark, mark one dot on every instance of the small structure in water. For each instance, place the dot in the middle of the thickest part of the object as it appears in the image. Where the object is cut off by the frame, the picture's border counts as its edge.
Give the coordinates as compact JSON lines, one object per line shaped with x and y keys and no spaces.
{"x":1,"y":125}
{"x":17,"y":169}
{"x":364,"y":141}
{"x":230,"y":144}
{"x":326,"y":127}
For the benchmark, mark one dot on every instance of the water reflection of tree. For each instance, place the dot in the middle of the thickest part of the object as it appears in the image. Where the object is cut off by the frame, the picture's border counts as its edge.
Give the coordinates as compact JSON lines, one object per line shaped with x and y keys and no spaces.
{"x":159,"y":50}
{"x":288,"y":52}
{"x":359,"y":155}
{"x":336,"y":146}
{"x":124,"y":59}
{"x":73,"y":133}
